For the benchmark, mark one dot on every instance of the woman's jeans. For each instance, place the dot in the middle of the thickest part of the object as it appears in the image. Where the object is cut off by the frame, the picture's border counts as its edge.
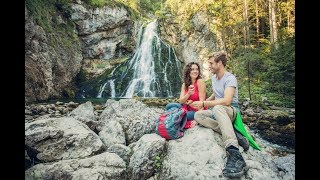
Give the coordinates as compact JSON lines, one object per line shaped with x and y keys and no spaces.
{"x":190,"y":114}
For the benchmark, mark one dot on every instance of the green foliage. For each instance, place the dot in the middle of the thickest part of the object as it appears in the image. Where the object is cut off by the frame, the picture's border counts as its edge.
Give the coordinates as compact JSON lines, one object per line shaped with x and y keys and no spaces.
{"x":209,"y":90}
{"x":183,"y":11}
{"x":81,"y":76}
{"x":101,"y":3}
{"x":141,"y":8}
{"x":271,"y":71}
{"x":160,"y":14}
{"x":101,"y":65}
{"x":41,"y":11}
{"x":45,"y":13}
{"x":97,"y":3}
{"x":158,"y":163}
{"x":150,"y":5}
{"x":53,"y":16}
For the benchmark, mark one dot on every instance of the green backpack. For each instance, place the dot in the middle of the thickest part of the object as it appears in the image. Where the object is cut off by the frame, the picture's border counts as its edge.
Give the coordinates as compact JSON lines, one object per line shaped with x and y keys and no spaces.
{"x":238,"y":124}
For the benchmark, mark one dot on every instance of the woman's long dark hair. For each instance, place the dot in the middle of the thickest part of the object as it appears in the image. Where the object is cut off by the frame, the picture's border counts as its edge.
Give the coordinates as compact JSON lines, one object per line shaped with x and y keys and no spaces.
{"x":186,"y":74}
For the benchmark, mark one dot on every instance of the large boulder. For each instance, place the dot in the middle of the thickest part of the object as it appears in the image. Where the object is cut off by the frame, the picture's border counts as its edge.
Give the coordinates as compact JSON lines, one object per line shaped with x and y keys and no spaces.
{"x":103,"y":166}
{"x":143,"y":160}
{"x":200,"y":154}
{"x":135,"y":117}
{"x":55,"y":139}
{"x":85,"y":114}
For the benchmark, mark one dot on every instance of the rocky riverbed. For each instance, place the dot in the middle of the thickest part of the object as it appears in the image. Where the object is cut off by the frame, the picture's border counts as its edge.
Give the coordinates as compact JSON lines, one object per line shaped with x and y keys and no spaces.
{"x":117,"y":140}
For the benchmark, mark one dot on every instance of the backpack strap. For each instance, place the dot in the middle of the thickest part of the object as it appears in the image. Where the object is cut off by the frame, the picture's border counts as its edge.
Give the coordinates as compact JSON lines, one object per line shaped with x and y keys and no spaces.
{"x":184,"y":122}
{"x":184,"y":118}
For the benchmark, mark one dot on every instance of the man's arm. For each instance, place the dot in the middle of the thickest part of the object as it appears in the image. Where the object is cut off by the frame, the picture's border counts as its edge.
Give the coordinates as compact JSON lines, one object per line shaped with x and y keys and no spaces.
{"x":211,"y":97}
{"x":225,"y":101}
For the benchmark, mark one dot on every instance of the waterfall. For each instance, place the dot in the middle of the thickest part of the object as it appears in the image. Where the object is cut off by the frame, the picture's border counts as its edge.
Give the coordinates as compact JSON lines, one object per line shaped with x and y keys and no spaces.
{"x":113,"y":92}
{"x":143,"y":64}
{"x":153,"y":71}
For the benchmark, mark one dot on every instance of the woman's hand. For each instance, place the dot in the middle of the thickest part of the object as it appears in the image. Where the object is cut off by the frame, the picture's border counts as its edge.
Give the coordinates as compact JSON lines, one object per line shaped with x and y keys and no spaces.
{"x":191,"y":89}
{"x":188,"y":102}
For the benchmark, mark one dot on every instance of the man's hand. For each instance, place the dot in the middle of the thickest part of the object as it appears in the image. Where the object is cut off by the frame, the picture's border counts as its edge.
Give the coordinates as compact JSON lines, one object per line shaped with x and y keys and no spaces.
{"x":196,"y":104}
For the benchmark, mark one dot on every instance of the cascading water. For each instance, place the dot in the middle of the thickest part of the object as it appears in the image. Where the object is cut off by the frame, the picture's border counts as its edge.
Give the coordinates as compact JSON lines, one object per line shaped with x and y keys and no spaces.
{"x":153,"y":71}
{"x":111,"y":84}
{"x":143,"y":64}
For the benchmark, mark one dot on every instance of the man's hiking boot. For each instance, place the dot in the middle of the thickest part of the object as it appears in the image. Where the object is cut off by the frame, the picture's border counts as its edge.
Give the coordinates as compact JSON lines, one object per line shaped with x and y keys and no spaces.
{"x":235,"y":166}
{"x":242,"y":140}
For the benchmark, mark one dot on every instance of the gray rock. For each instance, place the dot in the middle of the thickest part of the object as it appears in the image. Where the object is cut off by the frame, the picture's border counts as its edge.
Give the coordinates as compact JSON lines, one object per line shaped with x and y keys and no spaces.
{"x":123,"y":151}
{"x":200,"y":154}
{"x":142,"y":162}
{"x":286,"y":164}
{"x":61,"y":138}
{"x":85,"y":114}
{"x":135,"y":117}
{"x":112,"y":134}
{"x":103,"y":166}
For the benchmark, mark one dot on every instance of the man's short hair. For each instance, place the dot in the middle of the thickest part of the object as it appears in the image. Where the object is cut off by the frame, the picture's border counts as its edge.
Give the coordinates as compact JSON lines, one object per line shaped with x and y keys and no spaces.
{"x":219,"y":56}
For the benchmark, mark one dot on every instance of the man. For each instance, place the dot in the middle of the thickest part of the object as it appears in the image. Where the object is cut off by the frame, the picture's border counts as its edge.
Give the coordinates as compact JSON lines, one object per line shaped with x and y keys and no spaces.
{"x":223,"y":104}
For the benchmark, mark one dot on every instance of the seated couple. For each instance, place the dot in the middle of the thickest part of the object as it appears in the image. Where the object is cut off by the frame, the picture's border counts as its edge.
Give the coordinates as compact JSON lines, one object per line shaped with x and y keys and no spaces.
{"x":223,"y":107}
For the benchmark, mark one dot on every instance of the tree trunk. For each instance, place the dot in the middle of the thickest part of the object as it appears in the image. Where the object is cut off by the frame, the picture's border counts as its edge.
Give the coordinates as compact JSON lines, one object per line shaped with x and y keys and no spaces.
{"x":247,"y":22}
{"x":270,"y":22}
{"x":273,"y":23}
{"x":246,"y":27}
{"x":257,"y":22}
{"x":247,"y":39}
{"x":249,"y":84}
{"x":223,"y":28}
{"x":288,"y":19}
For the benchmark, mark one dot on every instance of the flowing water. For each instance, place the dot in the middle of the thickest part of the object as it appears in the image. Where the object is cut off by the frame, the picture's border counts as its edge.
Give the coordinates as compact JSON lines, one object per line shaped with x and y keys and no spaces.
{"x":153,"y":71}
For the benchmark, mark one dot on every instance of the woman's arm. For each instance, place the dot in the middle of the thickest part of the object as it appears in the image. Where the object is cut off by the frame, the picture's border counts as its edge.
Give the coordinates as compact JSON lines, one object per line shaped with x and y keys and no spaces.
{"x":184,"y":97}
{"x":202,"y":90}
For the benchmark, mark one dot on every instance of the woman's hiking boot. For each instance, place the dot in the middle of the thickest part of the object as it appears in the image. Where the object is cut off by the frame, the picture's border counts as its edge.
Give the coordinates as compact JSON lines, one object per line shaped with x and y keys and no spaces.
{"x":242,"y":140}
{"x":235,"y":166}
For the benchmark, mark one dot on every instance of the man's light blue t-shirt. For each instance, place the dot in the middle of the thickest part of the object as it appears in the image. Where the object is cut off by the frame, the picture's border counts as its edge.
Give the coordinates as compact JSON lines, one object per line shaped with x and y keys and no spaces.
{"x":227,"y":80}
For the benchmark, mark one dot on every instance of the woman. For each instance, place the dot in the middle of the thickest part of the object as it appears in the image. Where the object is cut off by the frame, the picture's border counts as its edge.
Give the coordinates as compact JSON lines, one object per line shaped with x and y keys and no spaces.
{"x":193,"y":89}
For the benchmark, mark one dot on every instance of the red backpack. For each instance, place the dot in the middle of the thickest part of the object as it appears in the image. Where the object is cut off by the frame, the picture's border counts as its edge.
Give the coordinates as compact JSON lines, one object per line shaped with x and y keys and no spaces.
{"x":171,"y":122}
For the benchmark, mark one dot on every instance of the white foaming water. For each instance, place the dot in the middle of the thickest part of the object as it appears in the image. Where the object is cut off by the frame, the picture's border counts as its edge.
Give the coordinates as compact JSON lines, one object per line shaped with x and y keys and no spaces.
{"x":143,"y":63}
{"x":111,"y":83}
{"x":153,"y":70}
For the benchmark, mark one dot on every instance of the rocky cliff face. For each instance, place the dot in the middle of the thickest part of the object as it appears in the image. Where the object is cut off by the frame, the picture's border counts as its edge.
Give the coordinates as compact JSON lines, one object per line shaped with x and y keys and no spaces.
{"x":54,"y":57}
{"x":50,"y":64}
{"x":195,"y":44}
{"x":104,"y":32}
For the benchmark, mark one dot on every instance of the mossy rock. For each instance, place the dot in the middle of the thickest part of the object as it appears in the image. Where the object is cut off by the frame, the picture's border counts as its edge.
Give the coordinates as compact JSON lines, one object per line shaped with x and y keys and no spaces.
{"x":287,"y":129}
{"x":247,"y":119}
{"x":263,"y":124}
{"x":281,"y":139}
{"x":280,"y":117}
{"x":162,"y":102}
{"x":254,"y":104}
